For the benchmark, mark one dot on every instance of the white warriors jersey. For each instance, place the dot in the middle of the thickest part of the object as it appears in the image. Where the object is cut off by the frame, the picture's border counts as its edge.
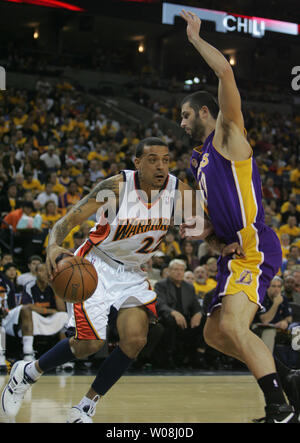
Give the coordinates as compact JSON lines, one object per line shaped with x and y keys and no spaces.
{"x":138,"y":227}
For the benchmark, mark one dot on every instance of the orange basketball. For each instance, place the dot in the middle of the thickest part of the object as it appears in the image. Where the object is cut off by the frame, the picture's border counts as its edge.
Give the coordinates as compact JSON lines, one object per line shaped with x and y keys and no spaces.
{"x":75,"y":280}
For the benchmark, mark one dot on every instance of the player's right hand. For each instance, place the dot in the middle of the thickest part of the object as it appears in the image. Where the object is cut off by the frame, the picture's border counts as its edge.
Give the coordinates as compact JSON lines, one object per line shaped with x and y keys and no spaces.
{"x":193,"y":24}
{"x":53,"y":253}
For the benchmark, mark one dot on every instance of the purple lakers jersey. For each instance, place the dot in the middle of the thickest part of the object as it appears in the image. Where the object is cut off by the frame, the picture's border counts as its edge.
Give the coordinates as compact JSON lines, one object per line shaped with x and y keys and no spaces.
{"x":231,"y":189}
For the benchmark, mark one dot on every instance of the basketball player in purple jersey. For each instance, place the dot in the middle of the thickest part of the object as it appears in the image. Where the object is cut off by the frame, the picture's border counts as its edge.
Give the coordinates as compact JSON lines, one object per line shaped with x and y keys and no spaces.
{"x":227,"y":174}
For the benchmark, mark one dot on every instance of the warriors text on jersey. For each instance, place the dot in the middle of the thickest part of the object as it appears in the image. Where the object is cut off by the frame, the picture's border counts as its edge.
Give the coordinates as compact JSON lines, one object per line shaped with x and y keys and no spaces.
{"x":138,"y":227}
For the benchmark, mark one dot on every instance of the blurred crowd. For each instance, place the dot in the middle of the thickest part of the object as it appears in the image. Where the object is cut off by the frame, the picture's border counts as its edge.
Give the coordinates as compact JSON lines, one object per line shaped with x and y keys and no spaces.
{"x":55,"y":146}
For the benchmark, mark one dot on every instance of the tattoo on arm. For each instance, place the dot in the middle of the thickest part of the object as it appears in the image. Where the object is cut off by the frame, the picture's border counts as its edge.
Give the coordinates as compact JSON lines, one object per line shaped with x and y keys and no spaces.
{"x":68,"y":222}
{"x":110,"y":184}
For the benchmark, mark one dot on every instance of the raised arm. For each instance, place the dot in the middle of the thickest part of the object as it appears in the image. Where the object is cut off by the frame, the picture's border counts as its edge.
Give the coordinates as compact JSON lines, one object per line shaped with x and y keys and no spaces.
{"x":80,"y":212}
{"x":228,"y":94}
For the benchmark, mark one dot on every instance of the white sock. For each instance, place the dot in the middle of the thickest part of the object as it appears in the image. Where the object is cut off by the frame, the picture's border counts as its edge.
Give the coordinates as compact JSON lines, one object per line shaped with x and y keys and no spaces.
{"x":27,"y":344}
{"x":32,"y":372}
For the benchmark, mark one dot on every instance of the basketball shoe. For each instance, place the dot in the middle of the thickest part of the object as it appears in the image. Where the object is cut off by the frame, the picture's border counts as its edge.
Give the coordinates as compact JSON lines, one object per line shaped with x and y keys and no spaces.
{"x":291,"y":386}
{"x":279,"y":414}
{"x":81,"y":415}
{"x":13,"y":393}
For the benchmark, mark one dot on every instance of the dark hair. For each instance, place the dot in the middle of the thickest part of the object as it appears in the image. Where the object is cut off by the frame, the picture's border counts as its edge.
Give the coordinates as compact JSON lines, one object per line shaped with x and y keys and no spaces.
{"x":149,"y":141}
{"x":35,"y":257}
{"x":27,"y":204}
{"x":202,"y":98}
{"x":8,"y":266}
{"x":11,"y":184}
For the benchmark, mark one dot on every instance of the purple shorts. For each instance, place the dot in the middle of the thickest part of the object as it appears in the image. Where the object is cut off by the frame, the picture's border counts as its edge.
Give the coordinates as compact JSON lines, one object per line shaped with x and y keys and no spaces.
{"x":253,"y":274}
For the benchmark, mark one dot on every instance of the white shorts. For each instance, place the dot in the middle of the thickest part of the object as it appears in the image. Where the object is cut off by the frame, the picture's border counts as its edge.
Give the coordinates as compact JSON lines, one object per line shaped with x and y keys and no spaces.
{"x":49,"y":325}
{"x":118,"y":287}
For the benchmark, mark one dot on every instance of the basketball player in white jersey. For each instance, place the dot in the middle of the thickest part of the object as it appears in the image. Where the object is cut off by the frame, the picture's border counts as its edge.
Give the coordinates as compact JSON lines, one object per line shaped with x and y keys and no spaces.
{"x":118,"y":245}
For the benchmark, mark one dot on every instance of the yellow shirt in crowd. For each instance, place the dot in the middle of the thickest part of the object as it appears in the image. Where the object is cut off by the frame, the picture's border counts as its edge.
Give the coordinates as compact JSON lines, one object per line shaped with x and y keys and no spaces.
{"x":203,"y":289}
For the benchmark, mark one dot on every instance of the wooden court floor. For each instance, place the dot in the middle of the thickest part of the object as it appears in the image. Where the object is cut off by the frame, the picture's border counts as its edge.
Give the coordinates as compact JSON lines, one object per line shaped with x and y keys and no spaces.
{"x":147,"y":399}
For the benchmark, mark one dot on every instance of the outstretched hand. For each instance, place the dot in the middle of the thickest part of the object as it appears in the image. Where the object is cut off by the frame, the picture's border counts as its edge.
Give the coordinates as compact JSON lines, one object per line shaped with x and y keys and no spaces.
{"x":193,"y":24}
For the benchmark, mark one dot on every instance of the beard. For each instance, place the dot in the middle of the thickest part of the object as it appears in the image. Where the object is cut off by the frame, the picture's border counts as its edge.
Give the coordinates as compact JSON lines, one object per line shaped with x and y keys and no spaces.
{"x":198,"y":130}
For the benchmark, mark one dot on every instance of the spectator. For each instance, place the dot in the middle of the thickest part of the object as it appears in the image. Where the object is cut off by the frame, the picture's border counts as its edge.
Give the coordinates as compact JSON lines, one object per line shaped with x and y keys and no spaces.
{"x":50,"y":215}
{"x":10,"y":274}
{"x":165,"y":272}
{"x":50,"y":159}
{"x":32,"y":184}
{"x":203,"y":283}
{"x":96,"y":171}
{"x":170,"y":246}
{"x":290,"y":207}
{"x":188,"y":255}
{"x":153,"y":273}
{"x":64,"y":178}
{"x":47,"y":195}
{"x":269,"y":190}
{"x":40,"y":313}
{"x":180,"y":313}
{"x":276,"y":313}
{"x":212,"y":267}
{"x":290,"y":228}
{"x":289,"y":287}
{"x":8,"y":202}
{"x":7,"y":258}
{"x":58,"y":188}
{"x":159,"y":260}
{"x":295,"y":272}
{"x":294,"y":254}
{"x":189,"y":277}
{"x":29,"y":277}
{"x":285,"y":245}
{"x":13,"y":217}
{"x":69,"y":198}
{"x":292,"y":201}
{"x":205,"y":252}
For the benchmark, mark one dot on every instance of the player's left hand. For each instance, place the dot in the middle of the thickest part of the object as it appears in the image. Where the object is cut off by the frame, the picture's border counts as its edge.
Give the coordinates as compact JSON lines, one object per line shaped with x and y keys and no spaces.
{"x":234,"y":249}
{"x":193,"y":24}
{"x":190,"y":231}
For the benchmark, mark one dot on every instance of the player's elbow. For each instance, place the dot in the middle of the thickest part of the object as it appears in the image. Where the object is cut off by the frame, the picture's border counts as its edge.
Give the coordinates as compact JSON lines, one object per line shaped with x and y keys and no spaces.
{"x":224,"y":71}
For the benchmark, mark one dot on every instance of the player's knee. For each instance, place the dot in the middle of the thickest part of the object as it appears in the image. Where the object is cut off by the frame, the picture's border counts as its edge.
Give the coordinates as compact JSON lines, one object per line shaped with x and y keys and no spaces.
{"x":85,"y":348}
{"x":231,"y":329}
{"x":133,"y":345}
{"x":211,"y":338}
